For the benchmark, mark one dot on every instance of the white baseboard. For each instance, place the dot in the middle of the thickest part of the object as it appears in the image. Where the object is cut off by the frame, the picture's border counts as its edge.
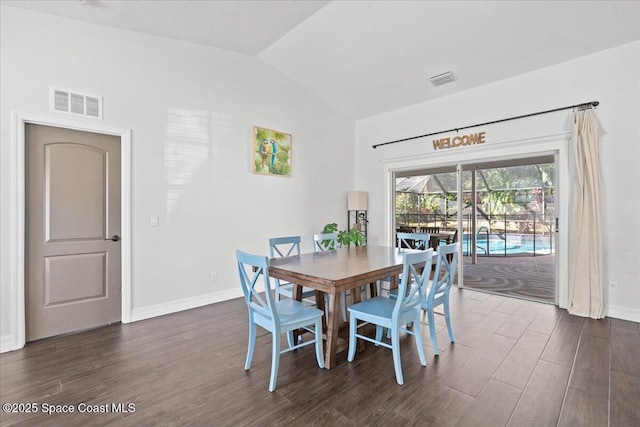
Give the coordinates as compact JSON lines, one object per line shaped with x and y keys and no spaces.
{"x":183,"y":304}
{"x":623,"y":313}
{"x":8,"y":343}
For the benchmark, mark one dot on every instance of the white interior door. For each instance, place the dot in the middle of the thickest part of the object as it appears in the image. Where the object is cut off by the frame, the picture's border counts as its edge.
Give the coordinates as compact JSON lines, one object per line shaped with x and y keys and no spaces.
{"x":73,"y":252}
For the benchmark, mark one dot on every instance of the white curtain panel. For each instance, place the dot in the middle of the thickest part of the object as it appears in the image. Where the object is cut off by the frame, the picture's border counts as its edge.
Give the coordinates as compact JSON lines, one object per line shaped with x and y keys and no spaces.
{"x":586,"y":277}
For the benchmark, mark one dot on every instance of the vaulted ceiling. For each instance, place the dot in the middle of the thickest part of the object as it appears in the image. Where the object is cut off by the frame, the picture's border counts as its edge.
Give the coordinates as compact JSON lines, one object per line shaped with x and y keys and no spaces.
{"x":369,"y":57}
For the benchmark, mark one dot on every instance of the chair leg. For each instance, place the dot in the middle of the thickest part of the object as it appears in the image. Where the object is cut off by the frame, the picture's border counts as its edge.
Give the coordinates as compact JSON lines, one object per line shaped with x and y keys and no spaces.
{"x":275,"y":360}
{"x":379,"y":331}
{"x":343,"y":303}
{"x":252,"y":344}
{"x":395,"y":349}
{"x":277,"y":290}
{"x":432,"y":331}
{"x":447,"y":317}
{"x":418,"y":336}
{"x":352,"y":338}
{"x":319,"y":355}
{"x":290,"y":339}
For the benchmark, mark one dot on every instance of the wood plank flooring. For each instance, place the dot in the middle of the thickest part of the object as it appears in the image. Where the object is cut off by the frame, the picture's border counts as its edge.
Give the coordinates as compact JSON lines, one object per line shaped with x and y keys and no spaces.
{"x":515,"y":363}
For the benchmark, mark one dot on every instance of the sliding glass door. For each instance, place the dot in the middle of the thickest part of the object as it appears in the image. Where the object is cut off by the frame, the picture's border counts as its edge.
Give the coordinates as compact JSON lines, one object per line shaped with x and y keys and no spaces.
{"x":504,"y":214}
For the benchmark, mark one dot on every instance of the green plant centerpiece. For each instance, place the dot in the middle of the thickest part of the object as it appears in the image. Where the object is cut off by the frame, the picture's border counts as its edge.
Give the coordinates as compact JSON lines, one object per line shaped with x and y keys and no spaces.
{"x":345,"y":238}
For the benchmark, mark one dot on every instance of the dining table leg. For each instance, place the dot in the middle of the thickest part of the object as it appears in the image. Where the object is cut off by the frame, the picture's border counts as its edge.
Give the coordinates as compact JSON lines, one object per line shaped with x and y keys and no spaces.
{"x":297,"y":295}
{"x":332,"y":329}
{"x":320,"y":305}
{"x":373,"y":289}
{"x":393,"y":283}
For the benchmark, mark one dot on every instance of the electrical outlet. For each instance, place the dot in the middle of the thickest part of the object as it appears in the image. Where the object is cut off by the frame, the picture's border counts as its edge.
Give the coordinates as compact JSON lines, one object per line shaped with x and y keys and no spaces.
{"x":213,"y":276}
{"x":613,"y":287}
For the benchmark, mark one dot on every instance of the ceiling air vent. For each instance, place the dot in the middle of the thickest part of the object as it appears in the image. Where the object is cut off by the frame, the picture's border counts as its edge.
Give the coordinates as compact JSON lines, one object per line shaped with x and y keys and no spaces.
{"x":443,"y":78}
{"x":65,"y":101}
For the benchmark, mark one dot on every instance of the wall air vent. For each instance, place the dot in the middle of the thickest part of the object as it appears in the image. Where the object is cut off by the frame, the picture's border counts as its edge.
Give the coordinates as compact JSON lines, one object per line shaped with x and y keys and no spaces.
{"x":78,"y":104}
{"x":443,"y":78}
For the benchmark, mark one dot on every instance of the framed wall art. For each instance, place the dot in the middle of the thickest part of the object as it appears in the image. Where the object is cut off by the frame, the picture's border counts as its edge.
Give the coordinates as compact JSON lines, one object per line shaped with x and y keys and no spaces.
{"x":271,"y":152}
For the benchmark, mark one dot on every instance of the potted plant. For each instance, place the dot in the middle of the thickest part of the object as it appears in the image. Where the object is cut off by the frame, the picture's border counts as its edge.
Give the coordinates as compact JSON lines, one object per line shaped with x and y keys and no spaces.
{"x":345,"y":238}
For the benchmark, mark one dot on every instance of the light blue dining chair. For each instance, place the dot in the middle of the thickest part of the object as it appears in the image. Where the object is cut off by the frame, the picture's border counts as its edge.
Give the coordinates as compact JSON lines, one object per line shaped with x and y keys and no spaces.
{"x":280,"y":247}
{"x":407,"y":241}
{"x":418,"y":241}
{"x":438,"y":290}
{"x":395,"y":313}
{"x":277,"y":317}
{"x":327,"y":242}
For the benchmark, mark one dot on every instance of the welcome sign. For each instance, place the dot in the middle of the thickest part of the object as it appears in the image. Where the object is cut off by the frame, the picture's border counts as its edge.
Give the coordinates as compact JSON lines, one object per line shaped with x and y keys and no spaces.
{"x":459,"y":141}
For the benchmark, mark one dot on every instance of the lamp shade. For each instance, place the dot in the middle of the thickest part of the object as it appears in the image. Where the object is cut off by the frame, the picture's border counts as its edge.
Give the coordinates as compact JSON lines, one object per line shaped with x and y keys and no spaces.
{"x":357,"y":201}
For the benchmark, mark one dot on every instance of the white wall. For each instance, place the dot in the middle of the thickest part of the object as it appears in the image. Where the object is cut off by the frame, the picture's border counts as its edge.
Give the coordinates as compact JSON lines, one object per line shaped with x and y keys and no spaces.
{"x":611,"y":77}
{"x":198,"y":183}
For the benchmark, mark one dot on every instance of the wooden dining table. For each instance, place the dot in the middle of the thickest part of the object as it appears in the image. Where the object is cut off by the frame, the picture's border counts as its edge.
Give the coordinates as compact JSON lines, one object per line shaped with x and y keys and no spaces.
{"x":333,"y":272}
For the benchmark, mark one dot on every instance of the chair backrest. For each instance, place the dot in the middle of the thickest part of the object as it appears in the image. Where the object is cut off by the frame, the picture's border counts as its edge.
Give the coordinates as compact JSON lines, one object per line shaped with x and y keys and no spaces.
{"x":446,"y":264}
{"x":325,"y":242}
{"x":430,"y":230}
{"x":280,"y":247}
{"x":250,"y":269}
{"x":416,"y":268}
{"x":413,"y":240}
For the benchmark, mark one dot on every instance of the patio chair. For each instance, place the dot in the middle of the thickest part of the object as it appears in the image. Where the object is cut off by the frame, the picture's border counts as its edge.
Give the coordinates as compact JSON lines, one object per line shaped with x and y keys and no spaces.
{"x":413,"y":240}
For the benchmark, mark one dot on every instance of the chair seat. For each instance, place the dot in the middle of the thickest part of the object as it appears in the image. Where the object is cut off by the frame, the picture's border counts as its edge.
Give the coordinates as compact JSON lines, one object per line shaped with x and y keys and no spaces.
{"x":292,"y":311}
{"x":378,"y":307}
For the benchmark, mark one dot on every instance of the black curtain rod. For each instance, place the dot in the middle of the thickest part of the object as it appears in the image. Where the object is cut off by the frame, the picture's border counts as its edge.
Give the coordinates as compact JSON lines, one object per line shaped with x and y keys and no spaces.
{"x":585,"y":105}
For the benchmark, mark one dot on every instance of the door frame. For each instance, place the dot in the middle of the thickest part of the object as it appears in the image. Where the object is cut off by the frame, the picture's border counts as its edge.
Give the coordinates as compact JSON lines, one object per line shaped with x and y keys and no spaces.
{"x":19,"y":120}
{"x":553,"y":144}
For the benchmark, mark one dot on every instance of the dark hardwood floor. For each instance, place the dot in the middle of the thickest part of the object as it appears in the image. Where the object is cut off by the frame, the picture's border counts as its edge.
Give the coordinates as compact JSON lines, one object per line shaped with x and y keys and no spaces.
{"x":515,"y":363}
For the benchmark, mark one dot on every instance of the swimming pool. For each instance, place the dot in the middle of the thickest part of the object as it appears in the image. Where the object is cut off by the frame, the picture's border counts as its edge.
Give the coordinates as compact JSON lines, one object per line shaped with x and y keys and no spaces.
{"x":512,"y":244}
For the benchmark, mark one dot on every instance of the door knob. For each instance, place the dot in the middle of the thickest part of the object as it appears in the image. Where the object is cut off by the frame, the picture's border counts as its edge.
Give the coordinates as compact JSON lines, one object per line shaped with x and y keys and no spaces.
{"x":115,"y":238}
